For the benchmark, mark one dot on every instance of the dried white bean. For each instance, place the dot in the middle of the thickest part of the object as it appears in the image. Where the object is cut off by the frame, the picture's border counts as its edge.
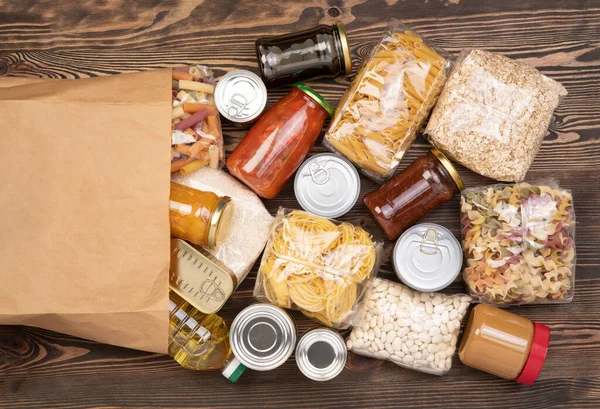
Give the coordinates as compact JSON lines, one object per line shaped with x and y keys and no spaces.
{"x":390,"y":336}
{"x":408,"y":359}
{"x":377,"y":332}
{"x":438,"y":309}
{"x":397,"y":344}
{"x":437,"y":300}
{"x":358,"y":343}
{"x":383,"y":354}
{"x":349,"y":344}
{"x":417,"y":328}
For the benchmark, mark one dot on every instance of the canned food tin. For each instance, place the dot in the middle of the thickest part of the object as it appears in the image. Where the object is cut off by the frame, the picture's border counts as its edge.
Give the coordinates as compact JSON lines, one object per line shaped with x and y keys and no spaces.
{"x":427,"y":257}
{"x":241,"y":96}
{"x":262,"y":336}
{"x":327,"y":185}
{"x":321,"y":354}
{"x":199,"y":278}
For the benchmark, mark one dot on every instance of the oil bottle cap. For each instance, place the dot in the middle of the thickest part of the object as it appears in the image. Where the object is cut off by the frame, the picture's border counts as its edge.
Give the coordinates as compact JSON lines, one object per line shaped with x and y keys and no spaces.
{"x":233,"y":370}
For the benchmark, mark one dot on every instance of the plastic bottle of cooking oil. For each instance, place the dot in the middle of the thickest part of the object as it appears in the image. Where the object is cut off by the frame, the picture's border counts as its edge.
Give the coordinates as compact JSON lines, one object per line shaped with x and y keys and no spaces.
{"x":200,"y":341}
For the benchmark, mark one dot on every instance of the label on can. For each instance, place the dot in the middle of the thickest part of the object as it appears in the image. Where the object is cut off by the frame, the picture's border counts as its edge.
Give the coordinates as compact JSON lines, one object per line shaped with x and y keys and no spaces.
{"x":427,"y":257}
{"x":241,"y":96}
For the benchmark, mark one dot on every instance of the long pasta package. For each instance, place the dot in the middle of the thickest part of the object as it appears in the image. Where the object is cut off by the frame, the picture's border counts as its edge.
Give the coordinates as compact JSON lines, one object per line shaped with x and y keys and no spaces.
{"x":197,"y":138}
{"x":519,"y":243}
{"x":318,"y":266}
{"x":381,"y":113}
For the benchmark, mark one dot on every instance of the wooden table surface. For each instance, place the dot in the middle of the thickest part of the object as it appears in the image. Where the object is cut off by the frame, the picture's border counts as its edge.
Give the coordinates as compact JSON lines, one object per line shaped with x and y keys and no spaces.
{"x":64,"y":39}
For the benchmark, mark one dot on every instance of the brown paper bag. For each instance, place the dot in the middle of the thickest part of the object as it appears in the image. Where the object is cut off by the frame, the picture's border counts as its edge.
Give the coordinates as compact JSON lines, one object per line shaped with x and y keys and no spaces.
{"x":84,"y":170}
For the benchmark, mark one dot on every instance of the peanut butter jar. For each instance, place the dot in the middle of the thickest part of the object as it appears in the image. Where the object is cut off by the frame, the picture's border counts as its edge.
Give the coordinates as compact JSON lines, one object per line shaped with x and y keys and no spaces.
{"x":504,"y":344}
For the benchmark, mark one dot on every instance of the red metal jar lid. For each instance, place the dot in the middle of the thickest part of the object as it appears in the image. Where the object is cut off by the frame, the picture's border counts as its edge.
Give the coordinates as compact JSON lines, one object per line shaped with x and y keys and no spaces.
{"x":537,"y":355}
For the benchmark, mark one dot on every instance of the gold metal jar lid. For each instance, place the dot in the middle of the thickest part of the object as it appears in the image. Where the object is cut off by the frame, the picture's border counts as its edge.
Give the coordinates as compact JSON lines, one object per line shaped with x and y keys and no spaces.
{"x":220,"y":222}
{"x":345,"y":48}
{"x":449,"y":168}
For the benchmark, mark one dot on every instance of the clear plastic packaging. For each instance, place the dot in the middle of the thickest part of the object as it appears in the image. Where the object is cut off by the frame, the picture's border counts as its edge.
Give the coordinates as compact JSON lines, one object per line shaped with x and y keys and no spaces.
{"x":415,"y":330}
{"x":197,"y":138}
{"x":250,"y":224}
{"x":493,"y":114}
{"x":519,"y":243}
{"x":381,"y":113}
{"x":318,"y":266}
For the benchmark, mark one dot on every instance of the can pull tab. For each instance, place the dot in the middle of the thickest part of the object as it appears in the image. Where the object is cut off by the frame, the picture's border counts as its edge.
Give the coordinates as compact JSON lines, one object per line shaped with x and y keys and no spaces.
{"x":318,"y":173}
{"x":430,"y":239}
{"x":237,"y":104}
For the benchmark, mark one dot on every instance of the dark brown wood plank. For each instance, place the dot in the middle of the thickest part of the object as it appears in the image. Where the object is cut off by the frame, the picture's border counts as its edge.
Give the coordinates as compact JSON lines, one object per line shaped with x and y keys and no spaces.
{"x":64,"y":39}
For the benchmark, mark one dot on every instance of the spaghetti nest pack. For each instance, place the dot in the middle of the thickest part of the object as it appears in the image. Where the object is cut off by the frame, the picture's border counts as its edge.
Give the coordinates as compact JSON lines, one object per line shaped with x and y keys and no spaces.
{"x":317,"y":266}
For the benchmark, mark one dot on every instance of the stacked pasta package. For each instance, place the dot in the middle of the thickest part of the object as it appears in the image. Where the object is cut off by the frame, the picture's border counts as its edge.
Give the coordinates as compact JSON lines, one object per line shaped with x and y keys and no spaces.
{"x":317,"y":266}
{"x":381,"y":113}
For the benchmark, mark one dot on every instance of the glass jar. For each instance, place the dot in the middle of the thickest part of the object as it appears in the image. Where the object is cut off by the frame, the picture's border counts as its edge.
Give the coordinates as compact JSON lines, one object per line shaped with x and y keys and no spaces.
{"x":322,"y":50}
{"x":279,"y":141}
{"x":504,"y":344}
{"x":202,"y":218}
{"x":427,"y":183}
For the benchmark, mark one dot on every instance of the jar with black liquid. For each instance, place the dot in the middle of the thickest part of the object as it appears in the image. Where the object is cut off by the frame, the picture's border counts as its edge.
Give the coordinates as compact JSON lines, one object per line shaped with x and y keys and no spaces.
{"x":322,"y":50}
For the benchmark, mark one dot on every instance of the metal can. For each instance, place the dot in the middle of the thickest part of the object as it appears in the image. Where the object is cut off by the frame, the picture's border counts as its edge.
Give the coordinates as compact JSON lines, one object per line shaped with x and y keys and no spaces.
{"x":241,"y":96}
{"x":321,"y":354}
{"x":199,"y":278}
{"x":427,"y":257}
{"x":262,"y":336}
{"x":327,"y":185}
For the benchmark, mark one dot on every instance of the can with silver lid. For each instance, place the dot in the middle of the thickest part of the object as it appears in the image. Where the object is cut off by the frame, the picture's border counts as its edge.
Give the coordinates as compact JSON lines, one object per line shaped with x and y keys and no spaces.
{"x":241,"y":96}
{"x":427,"y":257}
{"x":327,"y":185}
{"x":263,"y":336}
{"x":321,"y":354}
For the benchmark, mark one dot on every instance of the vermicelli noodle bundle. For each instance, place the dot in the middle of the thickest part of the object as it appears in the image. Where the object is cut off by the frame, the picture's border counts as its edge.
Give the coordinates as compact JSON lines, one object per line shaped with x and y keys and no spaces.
{"x":316,"y":266}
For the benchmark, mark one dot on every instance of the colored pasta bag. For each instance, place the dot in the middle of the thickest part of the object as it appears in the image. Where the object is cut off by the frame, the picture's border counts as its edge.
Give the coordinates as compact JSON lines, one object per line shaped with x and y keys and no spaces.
{"x":197,"y":138}
{"x":379,"y":116}
{"x":519,"y":243}
{"x":493,"y":114}
{"x":415,"y":330}
{"x":318,"y":266}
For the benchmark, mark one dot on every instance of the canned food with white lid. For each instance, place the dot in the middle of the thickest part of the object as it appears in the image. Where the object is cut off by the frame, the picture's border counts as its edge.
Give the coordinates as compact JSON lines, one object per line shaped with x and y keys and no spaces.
{"x":263,"y":336}
{"x":427,"y":257}
{"x":327,"y":185}
{"x":321,"y":354}
{"x":241,"y":96}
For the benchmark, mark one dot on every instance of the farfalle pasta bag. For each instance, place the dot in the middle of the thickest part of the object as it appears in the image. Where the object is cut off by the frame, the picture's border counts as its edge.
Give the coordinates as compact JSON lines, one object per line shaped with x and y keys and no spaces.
{"x":519,"y":243}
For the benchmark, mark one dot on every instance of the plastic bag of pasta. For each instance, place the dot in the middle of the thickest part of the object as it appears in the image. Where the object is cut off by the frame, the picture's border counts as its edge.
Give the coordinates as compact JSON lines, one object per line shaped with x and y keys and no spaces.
{"x":196,"y":136}
{"x":381,"y":113}
{"x":318,"y":266}
{"x":519,"y":243}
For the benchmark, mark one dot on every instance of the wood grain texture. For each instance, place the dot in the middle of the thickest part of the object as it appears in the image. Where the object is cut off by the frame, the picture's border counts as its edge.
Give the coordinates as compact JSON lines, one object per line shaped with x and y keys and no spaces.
{"x":65,"y":39}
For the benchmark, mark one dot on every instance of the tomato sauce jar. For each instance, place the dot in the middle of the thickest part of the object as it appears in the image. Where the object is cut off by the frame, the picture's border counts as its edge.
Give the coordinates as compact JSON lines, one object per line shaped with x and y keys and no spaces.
{"x":279,"y":141}
{"x":504,"y":344}
{"x":426,"y":184}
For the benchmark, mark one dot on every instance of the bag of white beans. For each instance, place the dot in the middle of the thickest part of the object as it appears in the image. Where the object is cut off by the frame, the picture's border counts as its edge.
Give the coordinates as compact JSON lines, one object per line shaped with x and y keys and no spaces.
{"x":412,"y":329}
